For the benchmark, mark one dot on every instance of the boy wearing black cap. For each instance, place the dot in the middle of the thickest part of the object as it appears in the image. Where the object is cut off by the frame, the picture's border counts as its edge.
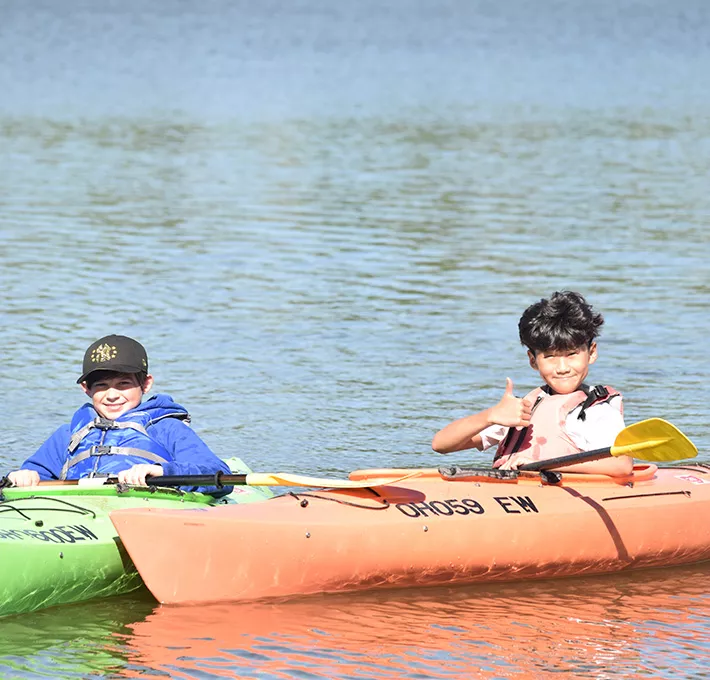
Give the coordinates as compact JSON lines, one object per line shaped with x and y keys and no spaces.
{"x":118,"y":433}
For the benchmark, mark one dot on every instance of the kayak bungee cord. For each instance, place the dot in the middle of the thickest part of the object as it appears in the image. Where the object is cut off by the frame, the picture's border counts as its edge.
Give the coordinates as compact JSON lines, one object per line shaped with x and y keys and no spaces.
{"x":66,"y":506}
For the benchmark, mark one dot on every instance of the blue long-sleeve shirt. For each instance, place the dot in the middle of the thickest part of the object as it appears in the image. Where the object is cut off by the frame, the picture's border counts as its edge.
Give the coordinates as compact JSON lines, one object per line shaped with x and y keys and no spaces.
{"x":191,"y":456}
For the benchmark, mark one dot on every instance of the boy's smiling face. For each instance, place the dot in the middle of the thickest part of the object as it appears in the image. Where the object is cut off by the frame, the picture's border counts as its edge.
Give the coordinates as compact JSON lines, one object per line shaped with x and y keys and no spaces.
{"x":564,"y":370}
{"x":114,"y":394}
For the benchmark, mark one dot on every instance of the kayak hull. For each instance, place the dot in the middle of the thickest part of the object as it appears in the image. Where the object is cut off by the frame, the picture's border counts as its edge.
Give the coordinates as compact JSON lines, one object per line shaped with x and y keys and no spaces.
{"x":419,"y":532}
{"x":58,"y":545}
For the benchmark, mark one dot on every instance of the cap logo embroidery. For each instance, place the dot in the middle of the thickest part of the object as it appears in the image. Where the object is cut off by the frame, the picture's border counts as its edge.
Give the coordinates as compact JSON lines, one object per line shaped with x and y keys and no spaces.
{"x":103,"y":353}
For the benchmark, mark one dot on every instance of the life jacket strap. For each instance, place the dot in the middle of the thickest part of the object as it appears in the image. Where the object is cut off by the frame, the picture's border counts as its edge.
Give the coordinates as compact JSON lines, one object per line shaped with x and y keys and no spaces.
{"x":594,"y":394}
{"x":104,"y":424}
{"x":110,"y":451}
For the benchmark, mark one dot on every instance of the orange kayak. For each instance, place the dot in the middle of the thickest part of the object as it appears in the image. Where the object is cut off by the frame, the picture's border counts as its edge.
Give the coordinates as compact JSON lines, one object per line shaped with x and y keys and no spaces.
{"x":433,"y":528}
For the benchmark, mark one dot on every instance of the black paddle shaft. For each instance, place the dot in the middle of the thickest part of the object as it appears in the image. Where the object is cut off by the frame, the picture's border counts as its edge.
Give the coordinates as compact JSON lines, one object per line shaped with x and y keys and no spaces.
{"x":218,"y":479}
{"x":581,"y":457}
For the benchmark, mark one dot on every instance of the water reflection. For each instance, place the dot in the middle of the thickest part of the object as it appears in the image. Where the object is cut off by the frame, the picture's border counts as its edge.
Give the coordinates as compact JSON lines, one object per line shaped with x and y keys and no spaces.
{"x":591,"y":628}
{"x":74,"y":641}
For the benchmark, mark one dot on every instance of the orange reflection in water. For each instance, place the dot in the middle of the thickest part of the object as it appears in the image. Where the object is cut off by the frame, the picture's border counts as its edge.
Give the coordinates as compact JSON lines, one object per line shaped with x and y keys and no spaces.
{"x":644,"y":623}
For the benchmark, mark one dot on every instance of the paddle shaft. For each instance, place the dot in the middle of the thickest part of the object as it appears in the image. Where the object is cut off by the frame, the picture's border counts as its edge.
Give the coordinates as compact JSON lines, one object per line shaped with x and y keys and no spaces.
{"x":571,"y":459}
{"x":218,"y":479}
{"x":221,"y":480}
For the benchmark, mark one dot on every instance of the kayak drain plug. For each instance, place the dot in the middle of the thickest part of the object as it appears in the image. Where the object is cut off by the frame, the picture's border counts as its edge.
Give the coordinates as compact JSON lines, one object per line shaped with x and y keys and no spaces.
{"x":39,"y":523}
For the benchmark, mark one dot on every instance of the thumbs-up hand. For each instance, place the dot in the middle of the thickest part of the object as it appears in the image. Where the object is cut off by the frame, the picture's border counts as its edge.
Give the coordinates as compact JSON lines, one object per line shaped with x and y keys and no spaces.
{"x":511,"y":411}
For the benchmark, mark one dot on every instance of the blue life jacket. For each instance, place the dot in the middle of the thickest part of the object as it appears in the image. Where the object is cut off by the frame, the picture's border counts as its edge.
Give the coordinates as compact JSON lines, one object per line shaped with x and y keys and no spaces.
{"x":102,"y":446}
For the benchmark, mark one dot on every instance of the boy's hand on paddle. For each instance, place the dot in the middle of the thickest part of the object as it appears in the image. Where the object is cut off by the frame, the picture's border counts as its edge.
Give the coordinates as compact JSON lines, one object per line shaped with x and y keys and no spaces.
{"x":135,"y":476}
{"x":511,"y":411}
{"x":24,"y":478}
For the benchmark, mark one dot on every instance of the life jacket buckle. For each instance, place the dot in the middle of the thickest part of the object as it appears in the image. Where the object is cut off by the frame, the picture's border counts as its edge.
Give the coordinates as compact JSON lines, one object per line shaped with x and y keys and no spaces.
{"x":595,"y":394}
{"x":101,"y":423}
{"x":100,"y":450}
{"x":600,"y":392}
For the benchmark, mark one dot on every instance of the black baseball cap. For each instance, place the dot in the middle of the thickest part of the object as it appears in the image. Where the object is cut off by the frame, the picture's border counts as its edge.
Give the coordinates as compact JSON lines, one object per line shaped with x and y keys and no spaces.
{"x":114,"y":353}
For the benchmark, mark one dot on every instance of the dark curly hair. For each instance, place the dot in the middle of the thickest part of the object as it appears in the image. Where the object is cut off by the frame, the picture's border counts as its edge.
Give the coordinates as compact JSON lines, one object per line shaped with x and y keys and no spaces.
{"x":564,"y":322}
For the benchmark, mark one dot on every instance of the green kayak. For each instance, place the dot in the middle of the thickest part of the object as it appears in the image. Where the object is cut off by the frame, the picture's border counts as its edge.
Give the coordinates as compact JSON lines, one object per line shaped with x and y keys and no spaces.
{"x":58,"y":545}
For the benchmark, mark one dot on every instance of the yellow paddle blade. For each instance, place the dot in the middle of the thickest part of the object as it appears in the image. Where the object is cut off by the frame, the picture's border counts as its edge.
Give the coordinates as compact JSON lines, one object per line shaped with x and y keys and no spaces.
{"x":288,"y":479}
{"x":654,"y":439}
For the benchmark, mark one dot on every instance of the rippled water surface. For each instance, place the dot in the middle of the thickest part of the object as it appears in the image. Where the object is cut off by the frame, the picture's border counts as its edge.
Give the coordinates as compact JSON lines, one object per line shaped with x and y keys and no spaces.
{"x":651,"y":624}
{"x":323,"y":219}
